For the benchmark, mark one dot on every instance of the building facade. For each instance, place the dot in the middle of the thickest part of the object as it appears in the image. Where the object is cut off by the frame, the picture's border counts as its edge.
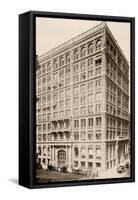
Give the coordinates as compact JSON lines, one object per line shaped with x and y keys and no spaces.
{"x":82,"y":109}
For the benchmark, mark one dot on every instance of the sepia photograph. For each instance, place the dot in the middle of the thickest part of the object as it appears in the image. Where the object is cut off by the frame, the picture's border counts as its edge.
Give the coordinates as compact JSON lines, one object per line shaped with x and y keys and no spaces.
{"x":83,"y":99}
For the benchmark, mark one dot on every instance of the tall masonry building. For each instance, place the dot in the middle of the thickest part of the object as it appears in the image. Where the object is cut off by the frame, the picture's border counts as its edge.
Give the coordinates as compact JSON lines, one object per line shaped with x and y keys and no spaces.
{"x":82,"y":109}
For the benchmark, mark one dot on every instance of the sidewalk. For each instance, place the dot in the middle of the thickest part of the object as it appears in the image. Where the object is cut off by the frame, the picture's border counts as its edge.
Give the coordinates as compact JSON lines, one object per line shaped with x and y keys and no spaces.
{"x":112,"y":173}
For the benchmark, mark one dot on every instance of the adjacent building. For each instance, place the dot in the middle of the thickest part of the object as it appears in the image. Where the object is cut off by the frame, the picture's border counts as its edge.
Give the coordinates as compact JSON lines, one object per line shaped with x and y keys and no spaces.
{"x":82,"y":109}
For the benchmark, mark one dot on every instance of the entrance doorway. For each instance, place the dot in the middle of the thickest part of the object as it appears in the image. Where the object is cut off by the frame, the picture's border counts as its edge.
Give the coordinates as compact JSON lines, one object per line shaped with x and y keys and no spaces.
{"x":61,"y":158}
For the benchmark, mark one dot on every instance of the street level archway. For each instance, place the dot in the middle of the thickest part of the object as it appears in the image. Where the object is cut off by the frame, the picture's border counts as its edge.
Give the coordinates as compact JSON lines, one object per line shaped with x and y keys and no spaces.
{"x":61,"y":158}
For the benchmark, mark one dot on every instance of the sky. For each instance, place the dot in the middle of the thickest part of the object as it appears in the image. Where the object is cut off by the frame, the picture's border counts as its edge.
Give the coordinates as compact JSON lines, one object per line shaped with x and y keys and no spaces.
{"x":51,"y":32}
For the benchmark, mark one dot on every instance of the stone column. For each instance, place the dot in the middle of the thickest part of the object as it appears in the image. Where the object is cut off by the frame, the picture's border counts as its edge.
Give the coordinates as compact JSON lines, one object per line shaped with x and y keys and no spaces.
{"x":56,"y":157}
{"x":52,"y":155}
{"x":69,"y":158}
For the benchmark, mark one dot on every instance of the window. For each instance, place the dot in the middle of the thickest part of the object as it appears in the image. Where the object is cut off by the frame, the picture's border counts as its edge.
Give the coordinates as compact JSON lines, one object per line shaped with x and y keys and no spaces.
{"x":98,"y":61}
{"x":61,"y":73}
{"x":39,"y":150}
{"x":90,"y":152}
{"x":55,"y":96}
{"x":44,"y":117}
{"x":44,"y":151}
{"x":98,"y":71}
{"x":98,"y":108}
{"x":76,"y":79}
{"x":67,"y":71}
{"x":90,"y":73}
{"x":83,"y":51}
{"x":44,"y":137}
{"x":98,"y":164}
{"x":90,"y":135}
{"x":39,"y":137}
{"x":83,"y":123}
{"x":39,"y":127}
{"x":83,"y":76}
{"x":76,"y":123}
{"x":44,"y":98}
{"x":76,"y":101}
{"x":76,"y":68}
{"x":61,"y":83}
{"x":90,"y":86}
{"x":76,"y":55}
{"x":61,"y":104}
{"x":44,"y":127}
{"x":98,"y":83}
{"x":83,"y":164}
{"x":44,"y":68}
{"x":90,"y":48}
{"x":76,"y":151}
{"x":83,"y":88}
{"x":76,"y":90}
{"x":83,"y":152}
{"x":67,"y":58}
{"x":90,"y":63}
{"x":98,"y":44}
{"x":67,"y":81}
{"x":90,"y":109}
{"x":48,"y":116}
{"x":55,"y":64}
{"x":75,"y":163}
{"x":90,"y":98}
{"x":39,"y":90}
{"x":44,"y":80}
{"x":82,"y":66}
{"x":76,"y":135}
{"x":48,"y":79}
{"x":61,"y":113}
{"x":61,"y":94}
{"x":83,"y":135}
{"x":98,"y":134}
{"x":82,"y":99}
{"x":39,"y":118}
{"x":68,"y":92}
{"x":98,"y":121}
{"x":67,"y":102}
{"x":48,"y":67}
{"x":67,"y":112}
{"x":90,"y":165}
{"x":98,"y":96}
{"x":98,"y":151}
{"x":83,"y":111}
{"x":55,"y":76}
{"x":76,"y":112}
{"x":90,"y":122}
{"x":61,"y":61}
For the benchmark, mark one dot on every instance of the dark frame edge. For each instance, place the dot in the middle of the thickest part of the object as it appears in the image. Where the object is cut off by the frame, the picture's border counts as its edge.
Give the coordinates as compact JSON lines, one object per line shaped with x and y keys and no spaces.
{"x":24,"y":97}
{"x":132,"y":75}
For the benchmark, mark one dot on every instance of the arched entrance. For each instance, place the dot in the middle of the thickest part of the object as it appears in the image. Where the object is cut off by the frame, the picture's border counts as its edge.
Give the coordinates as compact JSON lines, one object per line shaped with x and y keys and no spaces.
{"x":61,"y":158}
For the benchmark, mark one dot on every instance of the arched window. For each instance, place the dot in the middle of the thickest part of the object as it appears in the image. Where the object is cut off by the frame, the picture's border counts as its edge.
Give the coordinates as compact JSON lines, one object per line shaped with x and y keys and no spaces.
{"x":90,"y":152}
{"x":67,"y":58}
{"x":83,"y":51}
{"x":76,"y":151}
{"x":98,"y":151}
{"x":98,"y":44}
{"x":61,"y":61}
{"x":55,"y":64}
{"x":90,"y":48}
{"x":76,"y":54}
{"x":83,"y":152}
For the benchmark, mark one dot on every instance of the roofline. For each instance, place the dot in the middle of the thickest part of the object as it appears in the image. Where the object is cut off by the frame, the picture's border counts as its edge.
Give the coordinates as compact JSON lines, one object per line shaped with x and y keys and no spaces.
{"x":72,"y":40}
